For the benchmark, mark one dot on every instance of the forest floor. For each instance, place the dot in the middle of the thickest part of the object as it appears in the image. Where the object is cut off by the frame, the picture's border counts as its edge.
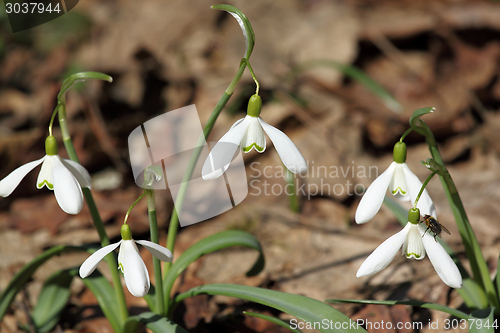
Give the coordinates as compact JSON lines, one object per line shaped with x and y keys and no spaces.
{"x":164,"y":55}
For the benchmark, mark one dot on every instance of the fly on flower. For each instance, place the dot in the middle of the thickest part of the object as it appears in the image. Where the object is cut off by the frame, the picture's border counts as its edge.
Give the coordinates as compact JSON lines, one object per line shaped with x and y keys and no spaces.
{"x":129,"y":261}
{"x":64,"y":176}
{"x":400,"y":181}
{"x":248,"y":134}
{"x":415,"y":244}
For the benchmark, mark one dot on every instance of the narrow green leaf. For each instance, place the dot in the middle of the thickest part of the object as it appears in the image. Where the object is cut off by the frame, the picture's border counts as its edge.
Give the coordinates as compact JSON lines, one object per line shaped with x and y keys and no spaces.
{"x":211,"y":244}
{"x":82,"y":76}
{"x":52,"y":300}
{"x":245,"y":25}
{"x":355,"y":74}
{"x":154,"y":322}
{"x":427,"y":305}
{"x":25,"y":274}
{"x":415,"y":118}
{"x":483,"y":321}
{"x":106,"y":297}
{"x":304,"y":308}
{"x":272,"y":320}
{"x":399,"y":212}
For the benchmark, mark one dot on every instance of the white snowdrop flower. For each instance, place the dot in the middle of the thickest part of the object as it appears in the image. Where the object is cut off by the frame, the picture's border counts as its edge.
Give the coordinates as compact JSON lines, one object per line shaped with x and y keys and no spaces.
{"x":400,"y":181}
{"x":248,"y":133}
{"x":64,"y":176}
{"x":129,"y":261}
{"x":415,"y":243}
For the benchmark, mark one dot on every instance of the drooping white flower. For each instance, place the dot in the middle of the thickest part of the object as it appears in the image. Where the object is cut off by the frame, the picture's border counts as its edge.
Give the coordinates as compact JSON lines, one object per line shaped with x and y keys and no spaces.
{"x":401,"y":182}
{"x":64,"y":176}
{"x":414,"y":244}
{"x":248,"y":133}
{"x":129,"y":261}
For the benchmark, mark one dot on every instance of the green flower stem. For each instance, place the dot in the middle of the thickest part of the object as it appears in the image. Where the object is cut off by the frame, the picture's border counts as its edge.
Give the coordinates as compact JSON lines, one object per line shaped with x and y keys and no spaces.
{"x":133,"y":205}
{"x":254,"y":77}
{"x":292,"y":196}
{"x":174,"y":219}
{"x":479,"y":267}
{"x":153,"y":226}
{"x":96,"y":218}
{"x":424,"y":185}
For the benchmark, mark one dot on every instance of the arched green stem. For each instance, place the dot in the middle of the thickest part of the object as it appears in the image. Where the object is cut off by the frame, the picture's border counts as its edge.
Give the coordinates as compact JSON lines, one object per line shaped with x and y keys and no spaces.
{"x":94,"y":213}
{"x":424,"y":185}
{"x":133,"y":205}
{"x":481,"y":273}
{"x":405,"y":134}
{"x":254,"y":77}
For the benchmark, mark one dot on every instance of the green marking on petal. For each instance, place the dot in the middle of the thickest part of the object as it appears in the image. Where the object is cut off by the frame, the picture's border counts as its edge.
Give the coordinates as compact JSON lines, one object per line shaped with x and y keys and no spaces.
{"x":409,"y":255}
{"x":257,"y":147}
{"x":398,"y":190}
{"x":120,"y":267}
{"x":46,"y":183}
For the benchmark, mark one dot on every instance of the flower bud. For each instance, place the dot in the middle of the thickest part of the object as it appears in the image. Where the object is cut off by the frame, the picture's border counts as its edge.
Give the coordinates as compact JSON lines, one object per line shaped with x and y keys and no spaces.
{"x":126,"y":232}
{"x":414,"y":215}
{"x":51,"y":146}
{"x":399,"y":152}
{"x":254,"y":106}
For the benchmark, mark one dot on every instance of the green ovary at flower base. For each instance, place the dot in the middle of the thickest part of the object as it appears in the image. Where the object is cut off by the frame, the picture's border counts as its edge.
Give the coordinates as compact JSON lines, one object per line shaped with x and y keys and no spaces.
{"x":400,"y":181}
{"x":129,"y":261}
{"x":64,"y":176}
{"x":248,"y":133}
{"x":415,"y":243}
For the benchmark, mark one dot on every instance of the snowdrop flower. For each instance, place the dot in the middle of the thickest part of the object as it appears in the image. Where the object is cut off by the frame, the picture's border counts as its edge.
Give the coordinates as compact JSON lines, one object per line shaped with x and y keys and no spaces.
{"x":415,"y":243}
{"x":400,"y":181}
{"x":129,"y":261}
{"x":248,"y":133}
{"x":64,"y":176}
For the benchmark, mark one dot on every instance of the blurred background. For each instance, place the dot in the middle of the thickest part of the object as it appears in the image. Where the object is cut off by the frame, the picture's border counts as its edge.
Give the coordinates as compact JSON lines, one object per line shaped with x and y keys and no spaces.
{"x":167,"y":54}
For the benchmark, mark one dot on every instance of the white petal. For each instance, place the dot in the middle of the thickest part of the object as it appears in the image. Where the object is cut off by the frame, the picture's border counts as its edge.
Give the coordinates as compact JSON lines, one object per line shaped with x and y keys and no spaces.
{"x":374,"y":196}
{"x":254,"y":137}
{"x":288,"y":152}
{"x":383,"y":255}
{"x":413,"y":246}
{"x":398,"y":186}
{"x":9,"y":183}
{"x":45,"y":174}
{"x":134,"y":269}
{"x":442,"y":262}
{"x":222,"y":154}
{"x":158,"y":251}
{"x":81,"y":174}
{"x":91,"y":263}
{"x":425,"y":203}
{"x":66,"y":188}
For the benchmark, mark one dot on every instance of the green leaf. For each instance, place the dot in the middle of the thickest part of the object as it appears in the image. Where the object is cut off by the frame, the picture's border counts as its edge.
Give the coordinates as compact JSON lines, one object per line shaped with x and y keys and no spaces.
{"x":211,"y":244}
{"x":483,"y":321}
{"x":81,"y":76}
{"x":355,"y":74}
{"x":106,"y":297}
{"x":272,"y":320}
{"x":25,"y":274}
{"x":244,"y":23}
{"x":415,"y":117}
{"x":399,"y":211}
{"x":427,"y":305}
{"x":304,"y":308}
{"x":52,"y":300}
{"x":154,"y":322}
